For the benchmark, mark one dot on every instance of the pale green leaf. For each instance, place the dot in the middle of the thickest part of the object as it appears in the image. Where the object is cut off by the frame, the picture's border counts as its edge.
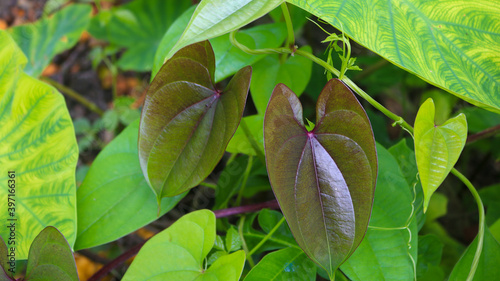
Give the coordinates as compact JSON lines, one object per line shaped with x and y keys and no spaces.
{"x":38,"y":142}
{"x":42,"y":40}
{"x":114,"y":198}
{"x":213,"y":18}
{"x":180,"y":250}
{"x":240,"y":143}
{"x":437,"y":148}
{"x":453,"y":44}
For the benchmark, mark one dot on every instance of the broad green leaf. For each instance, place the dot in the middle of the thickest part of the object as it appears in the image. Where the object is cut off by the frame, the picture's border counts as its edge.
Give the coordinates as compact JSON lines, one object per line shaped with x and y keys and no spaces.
{"x":489,"y":260}
{"x":213,"y":18}
{"x":495,"y":229}
{"x":114,"y":198}
{"x":406,"y":160}
{"x":451,"y":44}
{"x":324,"y":180}
{"x":43,"y":40}
{"x":51,"y":258}
{"x":430,"y":250}
{"x":180,"y":250}
{"x":186,"y":122}
{"x":138,"y":26}
{"x":437,"y":148}
{"x":229,"y":59}
{"x":169,"y":39}
{"x":240,"y":143}
{"x":38,"y":143}
{"x":294,"y":72}
{"x":385,"y":252}
{"x":286,"y":264}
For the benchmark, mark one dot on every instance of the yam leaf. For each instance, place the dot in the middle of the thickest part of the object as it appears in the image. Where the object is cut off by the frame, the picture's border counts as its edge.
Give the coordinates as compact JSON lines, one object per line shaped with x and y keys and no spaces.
{"x":186,"y":122}
{"x":324,"y":180}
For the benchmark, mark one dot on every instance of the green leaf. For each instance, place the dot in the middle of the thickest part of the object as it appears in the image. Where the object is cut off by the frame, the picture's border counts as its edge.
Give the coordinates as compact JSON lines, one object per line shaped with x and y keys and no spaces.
{"x":50,"y":258}
{"x":451,"y":44}
{"x":437,"y":148}
{"x":295,"y":72}
{"x":183,"y":102}
{"x":44,"y":39}
{"x":285,"y":264}
{"x":114,"y":198}
{"x":324,"y":180}
{"x":179,"y":252}
{"x":385,"y":252}
{"x":138,"y":26}
{"x":213,"y":18}
{"x":268,"y":219}
{"x":240,"y":143}
{"x":489,"y":260}
{"x":406,"y":160}
{"x":298,"y":16}
{"x":430,"y":250}
{"x":276,"y":241}
{"x":38,"y":143}
{"x":479,"y":119}
{"x":233,"y":240}
{"x":230,"y":59}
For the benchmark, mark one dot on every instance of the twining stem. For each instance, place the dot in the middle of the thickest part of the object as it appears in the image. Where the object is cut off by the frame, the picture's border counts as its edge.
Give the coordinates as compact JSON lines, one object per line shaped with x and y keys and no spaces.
{"x":267,"y":236}
{"x":290,"y":41}
{"x":72,"y":94}
{"x":245,"y":179}
{"x":480,"y":234}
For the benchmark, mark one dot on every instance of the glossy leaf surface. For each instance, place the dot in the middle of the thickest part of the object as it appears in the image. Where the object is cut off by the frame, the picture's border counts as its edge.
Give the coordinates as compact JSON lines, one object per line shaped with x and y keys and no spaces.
{"x":284,"y":265}
{"x":186,"y":123}
{"x":437,"y":148}
{"x":139,"y":26}
{"x":114,"y":199}
{"x":295,"y":72}
{"x":324,"y":180}
{"x":38,"y":143}
{"x":451,"y":44}
{"x":43,"y":40}
{"x":384,"y":253}
{"x":180,"y":250}
{"x":489,"y":260}
{"x":51,"y":258}
{"x":213,"y":18}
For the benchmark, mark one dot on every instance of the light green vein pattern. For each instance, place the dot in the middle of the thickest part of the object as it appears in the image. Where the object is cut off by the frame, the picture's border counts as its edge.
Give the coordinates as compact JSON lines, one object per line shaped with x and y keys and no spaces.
{"x":454,"y":45}
{"x":37,"y":141}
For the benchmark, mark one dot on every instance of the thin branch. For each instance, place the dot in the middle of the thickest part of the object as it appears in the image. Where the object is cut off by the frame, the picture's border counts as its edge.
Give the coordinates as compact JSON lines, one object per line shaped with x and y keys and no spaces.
{"x":273,"y":204}
{"x":71,"y":93}
{"x":483,"y":134}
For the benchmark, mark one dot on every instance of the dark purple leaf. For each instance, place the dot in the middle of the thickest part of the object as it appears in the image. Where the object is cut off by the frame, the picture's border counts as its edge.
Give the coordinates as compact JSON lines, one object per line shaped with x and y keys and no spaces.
{"x":186,"y":122}
{"x":325,"y":179}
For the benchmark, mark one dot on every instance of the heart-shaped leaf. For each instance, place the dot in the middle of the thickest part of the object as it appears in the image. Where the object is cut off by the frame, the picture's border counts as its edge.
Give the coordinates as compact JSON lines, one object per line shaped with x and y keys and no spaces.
{"x":179,"y":252}
{"x":114,"y":199}
{"x":437,"y":148}
{"x":51,"y":258}
{"x":186,"y":123}
{"x":324,"y":180}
